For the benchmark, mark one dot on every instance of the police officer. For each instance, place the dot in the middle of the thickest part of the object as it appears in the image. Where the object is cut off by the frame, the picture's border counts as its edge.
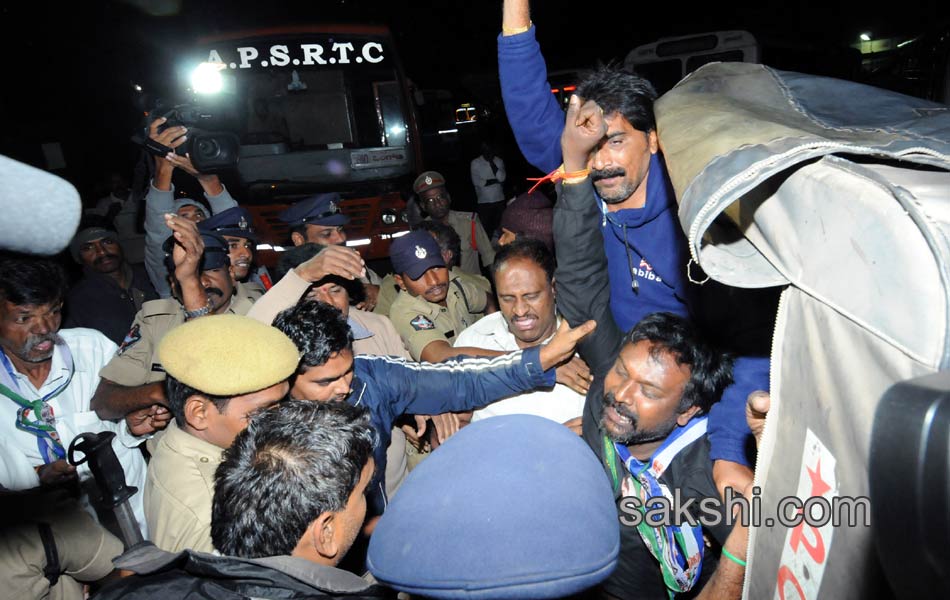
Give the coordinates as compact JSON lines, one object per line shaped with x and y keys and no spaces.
{"x":220,"y":369}
{"x":431,"y":307}
{"x":235,"y":225}
{"x":318,"y":219}
{"x":437,"y":203}
{"x":450,"y":245}
{"x":201,"y":280}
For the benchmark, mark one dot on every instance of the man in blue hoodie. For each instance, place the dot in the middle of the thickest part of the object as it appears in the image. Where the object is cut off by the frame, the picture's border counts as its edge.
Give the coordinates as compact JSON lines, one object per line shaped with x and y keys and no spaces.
{"x":647,"y":255}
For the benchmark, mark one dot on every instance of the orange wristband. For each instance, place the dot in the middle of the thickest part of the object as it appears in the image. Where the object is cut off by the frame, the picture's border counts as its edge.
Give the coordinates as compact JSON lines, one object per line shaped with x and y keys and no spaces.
{"x":559,"y":174}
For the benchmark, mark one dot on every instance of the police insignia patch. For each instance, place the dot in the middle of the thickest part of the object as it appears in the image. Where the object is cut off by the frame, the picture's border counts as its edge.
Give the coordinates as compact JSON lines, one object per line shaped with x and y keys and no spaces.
{"x":130,"y":338}
{"x":421,"y":323}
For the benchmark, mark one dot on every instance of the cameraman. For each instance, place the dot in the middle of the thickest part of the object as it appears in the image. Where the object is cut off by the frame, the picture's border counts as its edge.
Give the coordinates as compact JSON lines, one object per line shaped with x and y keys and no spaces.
{"x":161,"y":200}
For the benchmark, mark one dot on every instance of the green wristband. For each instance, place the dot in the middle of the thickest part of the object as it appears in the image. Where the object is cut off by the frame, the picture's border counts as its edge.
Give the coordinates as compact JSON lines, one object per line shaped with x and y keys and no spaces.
{"x":728,"y":555}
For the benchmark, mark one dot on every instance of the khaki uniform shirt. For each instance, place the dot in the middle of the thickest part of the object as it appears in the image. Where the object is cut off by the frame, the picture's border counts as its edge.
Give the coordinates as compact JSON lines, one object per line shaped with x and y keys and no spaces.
{"x":85,"y":552}
{"x":420,"y":322}
{"x":461,"y":222}
{"x":389,"y":289}
{"x":136,"y":362}
{"x":178,"y":491}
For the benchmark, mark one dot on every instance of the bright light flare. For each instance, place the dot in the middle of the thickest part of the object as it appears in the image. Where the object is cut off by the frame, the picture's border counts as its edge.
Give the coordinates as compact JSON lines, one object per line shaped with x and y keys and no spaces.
{"x":206,"y":78}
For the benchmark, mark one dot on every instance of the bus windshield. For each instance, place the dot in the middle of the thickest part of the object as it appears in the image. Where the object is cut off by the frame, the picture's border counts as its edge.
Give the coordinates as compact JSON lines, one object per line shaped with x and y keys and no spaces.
{"x":317,"y":108}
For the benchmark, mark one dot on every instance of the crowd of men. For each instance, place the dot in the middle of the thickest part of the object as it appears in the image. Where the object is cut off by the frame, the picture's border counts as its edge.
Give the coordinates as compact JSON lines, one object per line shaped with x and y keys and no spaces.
{"x":268,"y":417}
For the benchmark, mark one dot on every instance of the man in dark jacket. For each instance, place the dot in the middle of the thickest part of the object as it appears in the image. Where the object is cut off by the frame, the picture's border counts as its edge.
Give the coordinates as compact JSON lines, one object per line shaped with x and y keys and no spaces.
{"x":288,"y":503}
{"x":111,"y":290}
{"x":645,"y":414}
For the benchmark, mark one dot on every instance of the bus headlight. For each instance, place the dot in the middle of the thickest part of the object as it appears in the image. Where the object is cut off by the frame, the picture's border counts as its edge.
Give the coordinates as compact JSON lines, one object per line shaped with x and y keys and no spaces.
{"x":206,"y":78}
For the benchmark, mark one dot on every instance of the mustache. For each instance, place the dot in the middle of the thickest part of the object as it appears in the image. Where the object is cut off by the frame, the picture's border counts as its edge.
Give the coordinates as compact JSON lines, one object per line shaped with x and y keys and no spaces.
{"x":435,"y":288}
{"x":104,"y":258}
{"x":607,"y":173}
{"x":621,"y":409}
{"x":214,"y":290}
{"x":35,"y":340}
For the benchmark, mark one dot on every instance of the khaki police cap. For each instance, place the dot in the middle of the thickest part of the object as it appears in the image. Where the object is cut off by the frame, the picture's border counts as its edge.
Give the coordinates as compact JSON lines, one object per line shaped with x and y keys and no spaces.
{"x":227,"y":355}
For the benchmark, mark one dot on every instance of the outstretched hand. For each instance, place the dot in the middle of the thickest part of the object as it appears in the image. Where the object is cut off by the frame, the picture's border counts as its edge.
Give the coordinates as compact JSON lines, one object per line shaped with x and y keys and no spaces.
{"x":584,"y":128}
{"x":575,"y":374}
{"x":561,"y":346}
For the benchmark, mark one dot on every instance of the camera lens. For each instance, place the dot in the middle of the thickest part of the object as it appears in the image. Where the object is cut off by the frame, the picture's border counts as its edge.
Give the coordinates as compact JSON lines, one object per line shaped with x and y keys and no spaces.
{"x":207,"y":147}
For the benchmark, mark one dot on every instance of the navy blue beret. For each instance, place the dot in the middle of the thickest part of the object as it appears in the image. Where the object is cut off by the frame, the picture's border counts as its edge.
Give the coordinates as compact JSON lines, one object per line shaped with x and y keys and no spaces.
{"x":235,"y":222}
{"x":322,"y":209}
{"x":510,"y":507}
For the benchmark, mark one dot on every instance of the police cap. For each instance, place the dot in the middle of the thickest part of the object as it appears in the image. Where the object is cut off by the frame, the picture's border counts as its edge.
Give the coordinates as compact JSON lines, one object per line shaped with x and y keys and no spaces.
{"x":322,"y":209}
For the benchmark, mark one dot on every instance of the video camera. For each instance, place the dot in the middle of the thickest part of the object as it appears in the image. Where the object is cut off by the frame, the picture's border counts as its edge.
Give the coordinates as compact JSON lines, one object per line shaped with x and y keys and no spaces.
{"x":210,"y":151}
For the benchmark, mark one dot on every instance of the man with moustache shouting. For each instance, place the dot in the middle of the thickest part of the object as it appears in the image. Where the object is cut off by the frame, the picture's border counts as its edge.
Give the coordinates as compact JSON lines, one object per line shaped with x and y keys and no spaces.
{"x":47,"y":377}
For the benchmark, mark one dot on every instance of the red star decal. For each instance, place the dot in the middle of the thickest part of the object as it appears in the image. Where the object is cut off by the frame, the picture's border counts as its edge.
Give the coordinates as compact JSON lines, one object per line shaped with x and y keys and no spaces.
{"x":818,"y":486}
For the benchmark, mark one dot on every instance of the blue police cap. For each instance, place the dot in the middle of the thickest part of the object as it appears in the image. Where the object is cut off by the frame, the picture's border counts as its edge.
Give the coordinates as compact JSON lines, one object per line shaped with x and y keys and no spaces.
{"x":235,"y":222}
{"x":215,"y":254}
{"x":415,"y":253}
{"x":514,"y":506}
{"x":322,"y":209}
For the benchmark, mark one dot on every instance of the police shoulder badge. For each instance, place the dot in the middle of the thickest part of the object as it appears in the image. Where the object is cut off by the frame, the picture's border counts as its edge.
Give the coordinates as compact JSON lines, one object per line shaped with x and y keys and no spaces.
{"x":130,"y":338}
{"x":421,"y":252}
{"x":422,"y":323}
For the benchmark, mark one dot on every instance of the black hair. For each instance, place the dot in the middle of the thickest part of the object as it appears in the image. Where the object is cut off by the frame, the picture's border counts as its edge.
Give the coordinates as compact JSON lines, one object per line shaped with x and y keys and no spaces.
{"x":300,"y":228}
{"x":710,"y":369}
{"x":446,"y":237}
{"x":294,"y":462}
{"x":177,"y":394}
{"x":619,"y":91}
{"x":319,"y":331}
{"x":527,"y":248}
{"x":297,"y":255}
{"x":31,"y":281}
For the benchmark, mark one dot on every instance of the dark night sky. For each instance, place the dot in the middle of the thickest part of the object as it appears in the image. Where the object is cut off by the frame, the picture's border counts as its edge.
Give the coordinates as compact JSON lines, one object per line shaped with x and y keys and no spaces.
{"x":68,"y":66}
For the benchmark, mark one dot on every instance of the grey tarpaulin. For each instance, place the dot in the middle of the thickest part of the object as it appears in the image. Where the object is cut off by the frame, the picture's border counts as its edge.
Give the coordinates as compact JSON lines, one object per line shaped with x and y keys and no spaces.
{"x":842,"y":194}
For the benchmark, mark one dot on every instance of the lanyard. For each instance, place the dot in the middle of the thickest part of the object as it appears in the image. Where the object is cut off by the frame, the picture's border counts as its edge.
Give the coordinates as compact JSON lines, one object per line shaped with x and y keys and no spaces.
{"x":678,"y":548}
{"x":36,"y":416}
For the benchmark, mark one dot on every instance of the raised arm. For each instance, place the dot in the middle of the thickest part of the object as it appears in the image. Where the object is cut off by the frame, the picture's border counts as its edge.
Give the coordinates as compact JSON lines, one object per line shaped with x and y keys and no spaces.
{"x":160,"y":200}
{"x":533,"y":112}
{"x":583,"y":289}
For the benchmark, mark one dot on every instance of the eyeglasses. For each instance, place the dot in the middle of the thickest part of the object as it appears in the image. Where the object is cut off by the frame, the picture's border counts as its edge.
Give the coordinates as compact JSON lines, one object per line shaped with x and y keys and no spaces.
{"x":439,"y":198}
